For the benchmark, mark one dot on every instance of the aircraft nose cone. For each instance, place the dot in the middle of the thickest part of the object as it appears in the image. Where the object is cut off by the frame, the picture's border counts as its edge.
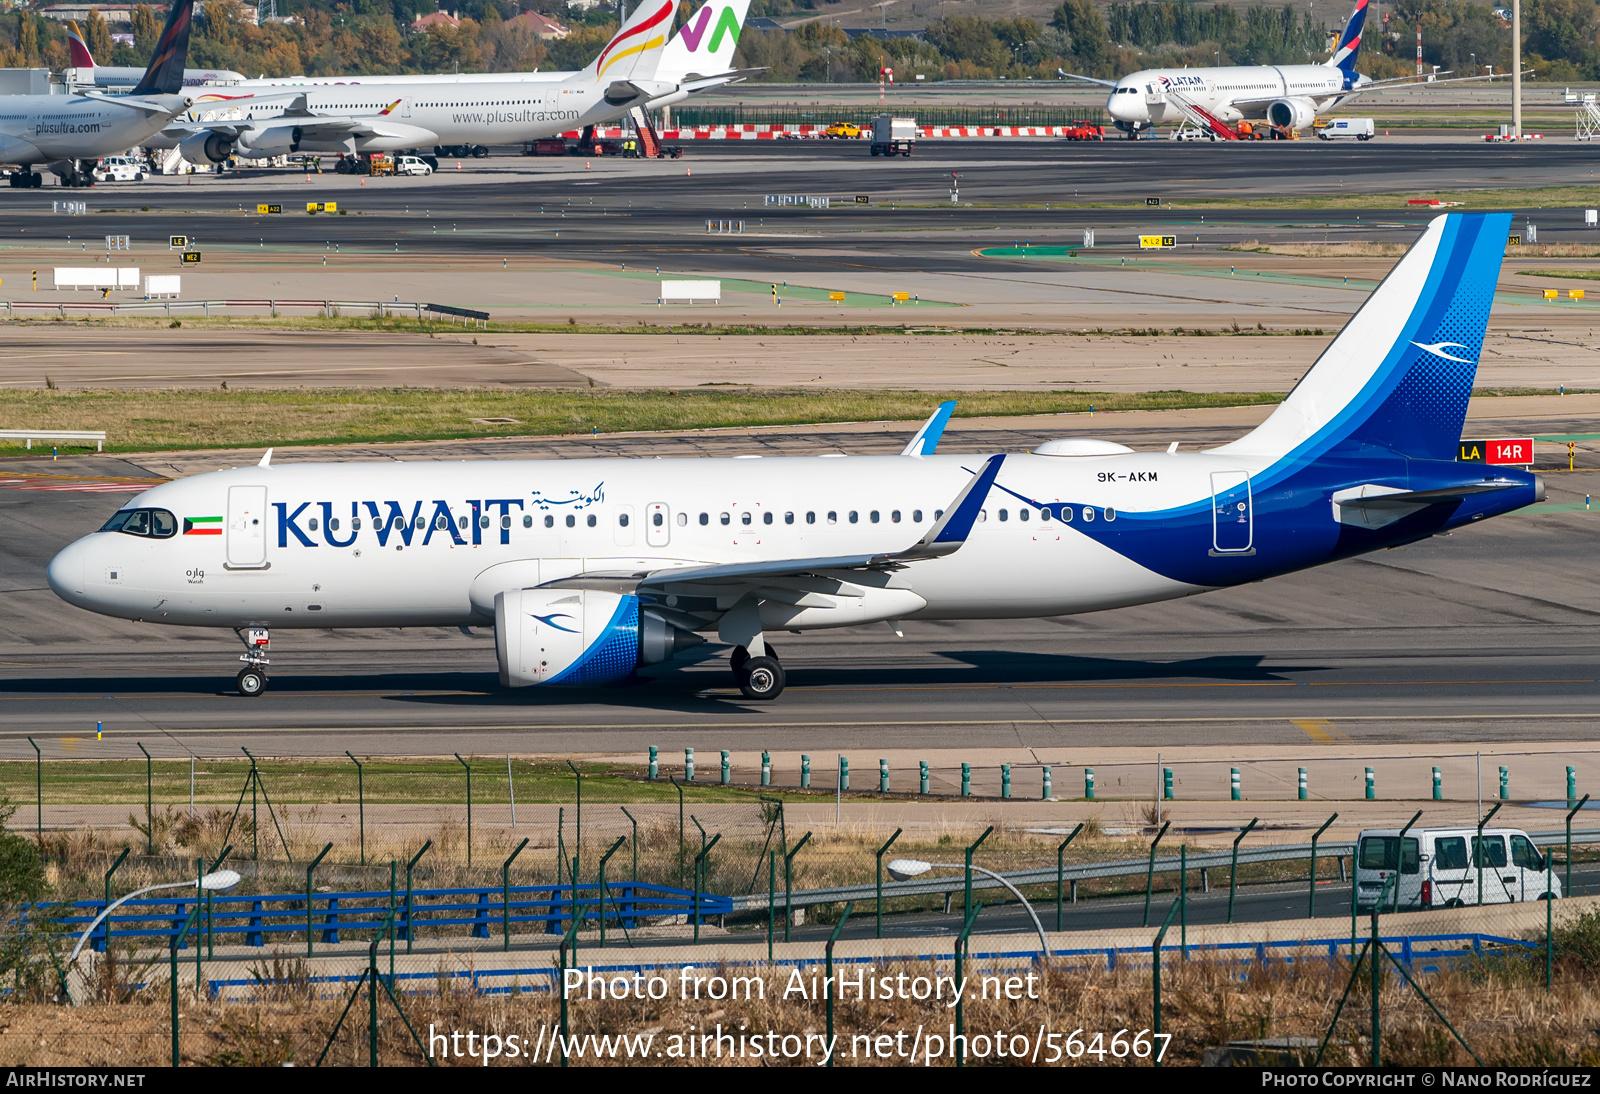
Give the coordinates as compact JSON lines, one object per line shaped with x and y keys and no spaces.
{"x":65,"y":573}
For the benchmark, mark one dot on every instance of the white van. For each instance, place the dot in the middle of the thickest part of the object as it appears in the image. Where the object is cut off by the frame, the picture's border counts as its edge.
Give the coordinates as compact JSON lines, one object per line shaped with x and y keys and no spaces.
{"x":120,"y":169}
{"x":411,"y":165}
{"x":1361,"y":129}
{"x":1437,"y":871}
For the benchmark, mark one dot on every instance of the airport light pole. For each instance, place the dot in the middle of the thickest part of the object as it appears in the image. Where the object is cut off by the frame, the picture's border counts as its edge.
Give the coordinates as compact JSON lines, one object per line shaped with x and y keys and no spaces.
{"x":904,"y":869}
{"x":1516,"y":69}
{"x":214,"y":882}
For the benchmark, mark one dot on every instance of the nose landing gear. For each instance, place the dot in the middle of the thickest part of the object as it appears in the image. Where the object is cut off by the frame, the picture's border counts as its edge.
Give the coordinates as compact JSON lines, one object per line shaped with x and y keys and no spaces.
{"x":252,"y":679}
{"x":759,"y":677}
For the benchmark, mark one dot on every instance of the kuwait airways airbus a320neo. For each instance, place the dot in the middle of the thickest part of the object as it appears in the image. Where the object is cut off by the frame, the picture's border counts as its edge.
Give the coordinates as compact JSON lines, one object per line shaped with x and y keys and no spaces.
{"x":588,"y":569}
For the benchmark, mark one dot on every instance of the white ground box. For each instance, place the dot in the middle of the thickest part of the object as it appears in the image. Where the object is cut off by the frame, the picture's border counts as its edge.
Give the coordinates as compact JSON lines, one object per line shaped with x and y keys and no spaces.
{"x":163,"y":285}
{"x":691,"y":291}
{"x":96,"y":277}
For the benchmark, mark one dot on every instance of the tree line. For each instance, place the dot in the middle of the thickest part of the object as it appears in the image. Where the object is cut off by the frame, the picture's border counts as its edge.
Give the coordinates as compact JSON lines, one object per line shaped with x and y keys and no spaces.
{"x":1562,"y":40}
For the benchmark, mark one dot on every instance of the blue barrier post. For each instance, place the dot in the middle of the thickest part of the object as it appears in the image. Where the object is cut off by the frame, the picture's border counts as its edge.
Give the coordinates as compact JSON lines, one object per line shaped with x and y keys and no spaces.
{"x":922,"y":781}
{"x":654,"y":764}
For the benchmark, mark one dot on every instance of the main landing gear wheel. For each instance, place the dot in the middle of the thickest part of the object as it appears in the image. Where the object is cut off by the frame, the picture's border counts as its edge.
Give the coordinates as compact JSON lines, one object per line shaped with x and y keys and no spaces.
{"x":761,"y":678}
{"x":251,"y":682}
{"x":740,"y":655}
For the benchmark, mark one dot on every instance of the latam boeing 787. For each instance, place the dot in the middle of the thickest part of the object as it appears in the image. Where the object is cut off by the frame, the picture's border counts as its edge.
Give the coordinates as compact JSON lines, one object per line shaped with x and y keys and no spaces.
{"x":588,"y":569}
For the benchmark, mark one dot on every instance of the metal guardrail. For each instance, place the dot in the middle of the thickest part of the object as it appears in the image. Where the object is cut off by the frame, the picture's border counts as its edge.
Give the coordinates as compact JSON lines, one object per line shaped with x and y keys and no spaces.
{"x":326,"y":307}
{"x":255,"y":919}
{"x":1046,"y":875}
{"x":98,"y":436}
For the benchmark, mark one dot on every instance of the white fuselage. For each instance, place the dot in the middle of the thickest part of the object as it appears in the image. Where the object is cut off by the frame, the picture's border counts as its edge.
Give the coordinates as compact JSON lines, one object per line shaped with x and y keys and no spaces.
{"x":46,"y":128}
{"x":314,"y":545}
{"x":1152,"y":96}
{"x":450,"y":114}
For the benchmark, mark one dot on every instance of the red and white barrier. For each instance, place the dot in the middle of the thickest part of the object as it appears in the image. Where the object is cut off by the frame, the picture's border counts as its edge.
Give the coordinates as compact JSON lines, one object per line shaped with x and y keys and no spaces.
{"x":814,"y":132}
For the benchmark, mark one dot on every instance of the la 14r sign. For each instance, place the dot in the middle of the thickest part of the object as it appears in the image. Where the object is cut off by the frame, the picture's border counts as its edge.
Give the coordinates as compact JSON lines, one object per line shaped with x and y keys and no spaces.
{"x":1510,"y":451}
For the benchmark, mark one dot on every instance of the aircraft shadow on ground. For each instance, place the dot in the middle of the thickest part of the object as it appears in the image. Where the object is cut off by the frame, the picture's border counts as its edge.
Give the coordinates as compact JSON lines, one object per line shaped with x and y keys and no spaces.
{"x":683,"y":687}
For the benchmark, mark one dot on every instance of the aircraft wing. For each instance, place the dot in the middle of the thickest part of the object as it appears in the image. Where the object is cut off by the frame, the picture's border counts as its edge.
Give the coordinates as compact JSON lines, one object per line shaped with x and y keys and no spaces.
{"x":799,"y":575}
{"x":1085,"y":79}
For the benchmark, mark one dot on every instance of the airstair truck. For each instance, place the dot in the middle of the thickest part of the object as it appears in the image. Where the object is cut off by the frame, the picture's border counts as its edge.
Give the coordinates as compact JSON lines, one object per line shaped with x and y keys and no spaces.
{"x":893,"y":136}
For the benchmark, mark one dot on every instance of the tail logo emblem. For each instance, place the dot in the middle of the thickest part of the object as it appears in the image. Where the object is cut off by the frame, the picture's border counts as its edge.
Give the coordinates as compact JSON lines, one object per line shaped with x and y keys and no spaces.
{"x":1437,"y":349}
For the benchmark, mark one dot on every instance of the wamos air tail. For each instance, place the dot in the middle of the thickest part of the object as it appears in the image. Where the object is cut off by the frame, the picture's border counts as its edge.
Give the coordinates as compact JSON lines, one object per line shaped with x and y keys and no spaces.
{"x":589,"y":569}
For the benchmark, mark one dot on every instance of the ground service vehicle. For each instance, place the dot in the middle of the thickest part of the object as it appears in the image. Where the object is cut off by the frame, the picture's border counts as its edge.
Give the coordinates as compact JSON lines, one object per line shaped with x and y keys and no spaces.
{"x":120,"y":169}
{"x":893,"y":136}
{"x":1344,"y":128}
{"x":1440,"y":868}
{"x":411,"y":165}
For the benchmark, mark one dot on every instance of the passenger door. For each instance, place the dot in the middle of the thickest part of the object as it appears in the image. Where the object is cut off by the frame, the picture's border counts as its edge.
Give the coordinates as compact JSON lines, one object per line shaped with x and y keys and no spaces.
{"x":1232,"y":519}
{"x":247,"y":528}
{"x":1500,"y":884}
{"x":657,"y":524}
{"x":1529,"y":867}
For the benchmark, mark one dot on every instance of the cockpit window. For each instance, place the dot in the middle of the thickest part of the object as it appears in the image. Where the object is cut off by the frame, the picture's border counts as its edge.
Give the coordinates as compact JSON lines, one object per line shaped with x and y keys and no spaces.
{"x":155,"y":523}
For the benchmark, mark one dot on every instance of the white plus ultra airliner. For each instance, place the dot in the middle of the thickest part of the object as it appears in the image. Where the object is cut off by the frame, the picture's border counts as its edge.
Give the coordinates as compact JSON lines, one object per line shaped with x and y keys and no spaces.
{"x":70,"y":132}
{"x":588,"y":569}
{"x":387,"y":114}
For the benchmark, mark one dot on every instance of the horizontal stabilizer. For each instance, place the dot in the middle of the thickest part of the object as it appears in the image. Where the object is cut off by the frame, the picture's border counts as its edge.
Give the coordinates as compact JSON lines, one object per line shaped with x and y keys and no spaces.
{"x":1374,"y":506}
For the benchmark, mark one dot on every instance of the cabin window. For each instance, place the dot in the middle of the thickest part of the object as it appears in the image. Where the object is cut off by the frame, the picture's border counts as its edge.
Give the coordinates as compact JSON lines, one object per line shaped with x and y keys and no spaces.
{"x":788,"y":518}
{"x":1088,"y":513}
{"x":983,"y":516}
{"x":312,"y":524}
{"x":591,"y":521}
{"x":916,"y":516}
{"x":572,"y":521}
{"x":683,"y":519}
{"x":483,"y":521}
{"x":549,"y":521}
{"x":505,"y":521}
{"x":1024,"y":514}
{"x":873,"y":516}
{"x":1066,"y":514}
{"x":622,"y":519}
{"x":938,"y":514}
{"x":1044,"y":514}
{"x":766,"y":518}
{"x":811,"y":518}
{"x":1111,"y":514}
{"x":855,"y":517}
{"x":1005,"y":515}
{"x":355,"y":523}
{"x":725,"y":518}
{"x":705,"y":518}
{"x":833,"y":517}
{"x":461,"y":523}
{"x":744,"y":518}
{"x":895,"y":516}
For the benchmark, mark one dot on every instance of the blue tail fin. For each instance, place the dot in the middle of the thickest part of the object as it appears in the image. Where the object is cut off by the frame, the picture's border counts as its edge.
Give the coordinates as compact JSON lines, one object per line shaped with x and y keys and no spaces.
{"x":1344,"y":56}
{"x":1400,"y":373}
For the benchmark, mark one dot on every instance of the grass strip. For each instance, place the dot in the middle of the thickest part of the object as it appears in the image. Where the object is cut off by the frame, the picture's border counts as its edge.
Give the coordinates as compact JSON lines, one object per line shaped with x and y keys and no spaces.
{"x":145,"y":421}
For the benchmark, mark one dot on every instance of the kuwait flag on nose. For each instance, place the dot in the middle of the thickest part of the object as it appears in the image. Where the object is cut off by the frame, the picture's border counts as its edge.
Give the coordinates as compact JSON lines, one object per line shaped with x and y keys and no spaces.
{"x":202,"y":526}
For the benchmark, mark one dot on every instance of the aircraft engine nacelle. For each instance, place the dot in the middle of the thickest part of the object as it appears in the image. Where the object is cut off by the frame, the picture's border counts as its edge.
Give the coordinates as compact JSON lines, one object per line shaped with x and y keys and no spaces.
{"x":578,"y":636}
{"x":206,"y":148}
{"x":1291,"y":113}
{"x":277,"y":140}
